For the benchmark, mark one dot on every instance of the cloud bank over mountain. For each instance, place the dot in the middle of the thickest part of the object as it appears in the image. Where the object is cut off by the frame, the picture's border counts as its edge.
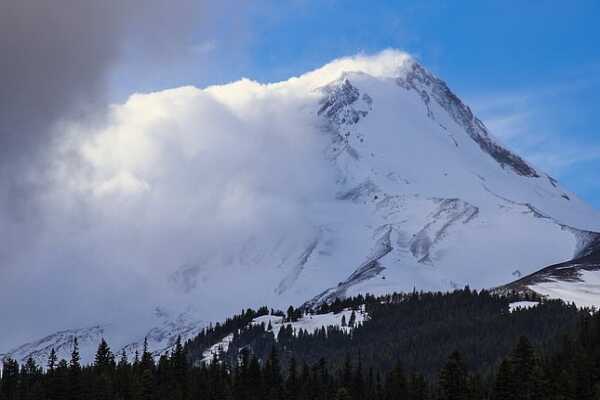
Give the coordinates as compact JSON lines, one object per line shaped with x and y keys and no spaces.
{"x":55,"y":70}
{"x":164,"y":180}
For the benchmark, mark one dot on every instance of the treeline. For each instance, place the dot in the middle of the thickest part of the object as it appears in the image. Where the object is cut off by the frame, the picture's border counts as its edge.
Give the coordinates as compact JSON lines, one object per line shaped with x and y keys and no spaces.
{"x":566,"y":366}
{"x":420,"y":329}
{"x":570,"y":373}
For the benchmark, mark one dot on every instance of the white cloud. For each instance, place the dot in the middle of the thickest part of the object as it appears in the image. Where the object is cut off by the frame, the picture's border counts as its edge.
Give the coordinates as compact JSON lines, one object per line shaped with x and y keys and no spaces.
{"x":171,"y":178}
{"x":123,"y":182}
{"x":509,"y":126}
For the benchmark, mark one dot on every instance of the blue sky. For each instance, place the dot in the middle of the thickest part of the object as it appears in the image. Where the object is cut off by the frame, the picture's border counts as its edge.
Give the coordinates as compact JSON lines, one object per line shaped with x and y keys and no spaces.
{"x":528,"y":69}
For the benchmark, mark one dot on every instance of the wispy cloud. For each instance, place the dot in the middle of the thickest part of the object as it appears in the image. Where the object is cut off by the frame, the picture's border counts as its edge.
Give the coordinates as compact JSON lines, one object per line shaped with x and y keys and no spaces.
{"x":543,"y":125}
{"x":527,"y":121}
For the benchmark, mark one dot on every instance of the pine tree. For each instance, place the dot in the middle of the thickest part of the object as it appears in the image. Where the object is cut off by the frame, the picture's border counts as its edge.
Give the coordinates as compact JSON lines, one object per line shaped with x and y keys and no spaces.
{"x":504,"y":387}
{"x":291,"y":316}
{"x":254,"y":380}
{"x":31,"y":367}
{"x":352,"y":319}
{"x":347,"y":372}
{"x":31,"y":383}
{"x":10,"y":378}
{"x":179,"y":368}
{"x":453,"y":379}
{"x":291,"y":387}
{"x":272,"y":375}
{"x":75,"y":385}
{"x":123,"y":378}
{"x":527,"y":379}
{"x":60,"y":389}
{"x":147,"y":385}
{"x":52,"y":359}
{"x":104,"y":359}
{"x":358,"y":383}
{"x":147,"y":361}
{"x":123,"y":362}
{"x":396,"y":387}
{"x":51,"y":375}
{"x":418,"y":389}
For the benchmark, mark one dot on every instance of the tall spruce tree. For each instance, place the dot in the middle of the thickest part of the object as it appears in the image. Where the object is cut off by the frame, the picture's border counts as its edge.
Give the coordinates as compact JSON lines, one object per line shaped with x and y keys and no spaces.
{"x":454,"y":379}
{"x":52,"y":360}
{"x":504,"y":388}
{"x":75,"y":384}
{"x":104,"y":359}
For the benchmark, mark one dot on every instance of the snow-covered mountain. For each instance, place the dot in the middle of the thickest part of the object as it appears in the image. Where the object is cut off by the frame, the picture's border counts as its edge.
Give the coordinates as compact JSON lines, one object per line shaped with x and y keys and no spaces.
{"x":161,"y":338}
{"x":423,"y":196}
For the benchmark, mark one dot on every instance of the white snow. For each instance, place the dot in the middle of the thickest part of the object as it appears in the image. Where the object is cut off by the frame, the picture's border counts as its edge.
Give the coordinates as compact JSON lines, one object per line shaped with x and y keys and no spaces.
{"x":161,"y":339}
{"x":217,"y":348}
{"x":522,"y":305}
{"x":309,"y":323}
{"x":584,"y":292}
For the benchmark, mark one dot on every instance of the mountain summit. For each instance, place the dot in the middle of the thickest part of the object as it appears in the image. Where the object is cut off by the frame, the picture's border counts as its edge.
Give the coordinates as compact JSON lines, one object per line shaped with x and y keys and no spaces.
{"x":391,"y":184}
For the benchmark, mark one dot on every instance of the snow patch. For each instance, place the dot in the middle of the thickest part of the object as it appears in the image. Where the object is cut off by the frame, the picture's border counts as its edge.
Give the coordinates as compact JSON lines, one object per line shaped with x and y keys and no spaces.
{"x":583,"y":291}
{"x":522,"y":305}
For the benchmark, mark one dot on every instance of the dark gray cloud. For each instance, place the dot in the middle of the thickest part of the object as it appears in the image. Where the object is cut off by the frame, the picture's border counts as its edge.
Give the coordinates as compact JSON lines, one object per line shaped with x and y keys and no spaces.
{"x":57,"y":63}
{"x":56,"y":59}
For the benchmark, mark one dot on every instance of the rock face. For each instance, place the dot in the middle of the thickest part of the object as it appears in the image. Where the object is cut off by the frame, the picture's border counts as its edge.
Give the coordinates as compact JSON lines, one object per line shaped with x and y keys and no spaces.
{"x":425,"y":198}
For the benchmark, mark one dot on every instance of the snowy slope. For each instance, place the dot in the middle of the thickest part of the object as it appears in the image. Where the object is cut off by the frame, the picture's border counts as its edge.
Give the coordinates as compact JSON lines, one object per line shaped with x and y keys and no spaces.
{"x":575,"y":281}
{"x":422,"y":196}
{"x":161,"y":339}
{"x":522,"y":305}
{"x":308,"y":323}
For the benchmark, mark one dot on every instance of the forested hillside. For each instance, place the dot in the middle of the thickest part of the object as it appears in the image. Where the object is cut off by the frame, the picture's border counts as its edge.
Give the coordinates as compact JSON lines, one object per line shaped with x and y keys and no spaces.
{"x":418,"y":329}
{"x":460,"y":345}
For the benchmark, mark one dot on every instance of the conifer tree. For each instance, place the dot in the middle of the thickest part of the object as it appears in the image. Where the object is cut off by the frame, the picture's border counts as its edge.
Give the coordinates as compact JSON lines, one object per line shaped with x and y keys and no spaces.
{"x":52,"y":359}
{"x":59,"y":389}
{"x":123,"y":362}
{"x":352,"y":319}
{"x":10,"y":378}
{"x":527,"y":380}
{"x":504,"y":388}
{"x":30,"y":377}
{"x":179,"y":369}
{"x":147,"y":361}
{"x":147,"y":385}
{"x":104,"y":359}
{"x":418,"y":389}
{"x":75,"y":387}
{"x":396,"y":383}
{"x":122,"y":377}
{"x":51,"y":378}
{"x":358,"y":384}
{"x":292,"y":380}
{"x":453,"y":379}
{"x":254,"y":380}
